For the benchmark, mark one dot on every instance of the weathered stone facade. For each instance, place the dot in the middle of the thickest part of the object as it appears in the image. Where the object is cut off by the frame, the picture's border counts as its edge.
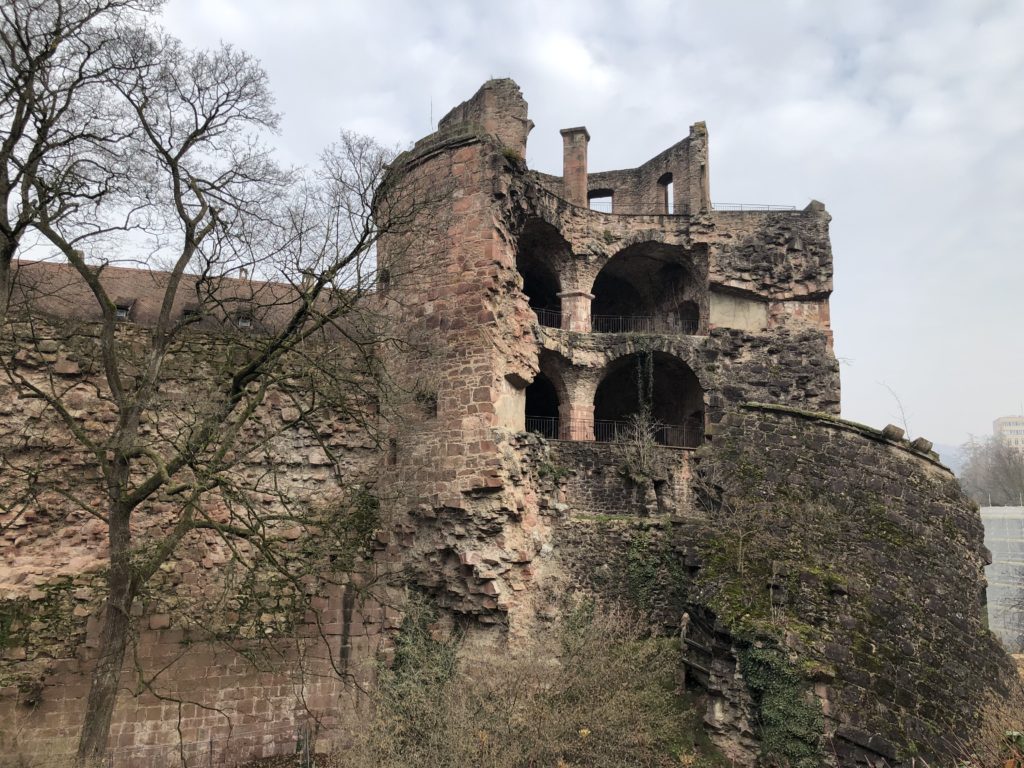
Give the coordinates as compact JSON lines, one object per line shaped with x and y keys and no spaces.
{"x":226,"y":662}
{"x":569,"y":322}
{"x":582,"y":423}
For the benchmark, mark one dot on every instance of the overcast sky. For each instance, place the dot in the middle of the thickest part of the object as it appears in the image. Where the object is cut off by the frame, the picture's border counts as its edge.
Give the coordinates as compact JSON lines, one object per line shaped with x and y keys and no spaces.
{"x":905,"y":118}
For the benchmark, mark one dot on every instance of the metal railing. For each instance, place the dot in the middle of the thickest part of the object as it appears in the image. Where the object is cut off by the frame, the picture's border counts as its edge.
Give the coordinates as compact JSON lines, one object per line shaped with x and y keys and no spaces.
{"x":751,"y":207}
{"x":641,"y":324}
{"x":602,"y":205}
{"x":545,"y":426}
{"x":621,"y":324}
{"x":550,"y":318}
{"x":613,"y":431}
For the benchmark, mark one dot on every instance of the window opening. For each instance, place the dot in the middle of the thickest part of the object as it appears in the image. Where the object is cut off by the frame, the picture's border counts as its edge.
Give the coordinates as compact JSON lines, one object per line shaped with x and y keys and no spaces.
{"x":601,"y":200}
{"x":123,"y":309}
{"x":542,"y":408}
{"x":540,"y":247}
{"x":427,"y":402}
{"x":667,"y":193}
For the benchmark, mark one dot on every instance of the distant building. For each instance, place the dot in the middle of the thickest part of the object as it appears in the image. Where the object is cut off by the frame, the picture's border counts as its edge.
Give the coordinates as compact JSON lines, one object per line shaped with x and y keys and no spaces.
{"x":1010,"y":429}
{"x":1004,"y":536}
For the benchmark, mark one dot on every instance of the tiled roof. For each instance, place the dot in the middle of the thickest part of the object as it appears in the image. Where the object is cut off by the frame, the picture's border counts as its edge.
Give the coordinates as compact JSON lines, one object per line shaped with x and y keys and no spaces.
{"x":57,"y":289}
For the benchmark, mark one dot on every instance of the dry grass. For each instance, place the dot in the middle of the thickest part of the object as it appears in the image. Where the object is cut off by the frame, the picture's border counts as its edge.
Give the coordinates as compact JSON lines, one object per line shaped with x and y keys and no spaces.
{"x":601,"y":694}
{"x":999,"y":740}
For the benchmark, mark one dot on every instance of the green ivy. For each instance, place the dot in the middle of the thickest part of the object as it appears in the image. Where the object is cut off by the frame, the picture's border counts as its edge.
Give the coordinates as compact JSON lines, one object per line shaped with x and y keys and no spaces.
{"x":790,"y":721}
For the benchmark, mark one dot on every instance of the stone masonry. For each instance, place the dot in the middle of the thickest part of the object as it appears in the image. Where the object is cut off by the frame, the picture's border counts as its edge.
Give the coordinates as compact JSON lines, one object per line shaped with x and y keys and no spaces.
{"x":628,"y":343}
{"x":637,"y":403}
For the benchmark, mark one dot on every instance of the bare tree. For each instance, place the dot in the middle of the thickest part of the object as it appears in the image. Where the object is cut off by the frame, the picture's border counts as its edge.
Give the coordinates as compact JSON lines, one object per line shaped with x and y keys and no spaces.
{"x":993,"y":473}
{"x":63,"y":140}
{"x":189,"y":183}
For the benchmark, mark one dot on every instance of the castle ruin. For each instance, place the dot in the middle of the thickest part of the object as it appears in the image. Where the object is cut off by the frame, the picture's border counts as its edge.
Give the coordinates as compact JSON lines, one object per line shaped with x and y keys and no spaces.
{"x":616,"y":378}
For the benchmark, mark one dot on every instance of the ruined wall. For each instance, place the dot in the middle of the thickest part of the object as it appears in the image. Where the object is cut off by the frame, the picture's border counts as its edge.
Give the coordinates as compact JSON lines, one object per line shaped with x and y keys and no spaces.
{"x":641,"y":190}
{"x":464,"y":533}
{"x":482,"y":346}
{"x":829,"y":573}
{"x":596,"y":479}
{"x":884,"y":589}
{"x":733,"y":366}
{"x":226,"y":662}
{"x":847,"y":562}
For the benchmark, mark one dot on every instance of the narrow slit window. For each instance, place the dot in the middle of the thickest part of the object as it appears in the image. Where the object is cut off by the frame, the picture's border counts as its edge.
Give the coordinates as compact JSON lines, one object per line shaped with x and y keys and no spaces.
{"x":667,"y":193}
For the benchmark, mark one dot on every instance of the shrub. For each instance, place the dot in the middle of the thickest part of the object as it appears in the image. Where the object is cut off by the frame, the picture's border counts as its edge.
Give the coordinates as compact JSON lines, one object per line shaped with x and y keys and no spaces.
{"x":601,"y":692}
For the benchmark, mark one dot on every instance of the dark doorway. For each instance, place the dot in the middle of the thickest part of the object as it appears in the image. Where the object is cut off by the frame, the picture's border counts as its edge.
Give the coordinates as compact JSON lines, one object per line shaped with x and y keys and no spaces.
{"x":540,"y":249}
{"x":542,"y":407}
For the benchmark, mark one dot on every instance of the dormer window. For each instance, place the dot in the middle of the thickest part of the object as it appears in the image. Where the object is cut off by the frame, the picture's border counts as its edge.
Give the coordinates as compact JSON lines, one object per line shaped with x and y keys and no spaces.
{"x":123,"y":310}
{"x":243,"y":319}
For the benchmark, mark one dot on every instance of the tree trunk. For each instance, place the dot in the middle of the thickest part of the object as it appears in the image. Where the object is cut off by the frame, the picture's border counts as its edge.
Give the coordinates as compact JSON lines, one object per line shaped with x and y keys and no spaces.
{"x":106,"y":676}
{"x":6,"y":276}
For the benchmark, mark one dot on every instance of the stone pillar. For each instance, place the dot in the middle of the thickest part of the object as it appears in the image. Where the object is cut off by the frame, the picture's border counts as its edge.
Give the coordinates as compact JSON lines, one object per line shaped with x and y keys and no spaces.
{"x":576,"y":310}
{"x":576,"y":421}
{"x":574,"y":164}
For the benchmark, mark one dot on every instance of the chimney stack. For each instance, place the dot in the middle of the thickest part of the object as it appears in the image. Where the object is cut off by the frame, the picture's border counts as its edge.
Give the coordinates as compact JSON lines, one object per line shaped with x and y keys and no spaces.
{"x":574,"y":164}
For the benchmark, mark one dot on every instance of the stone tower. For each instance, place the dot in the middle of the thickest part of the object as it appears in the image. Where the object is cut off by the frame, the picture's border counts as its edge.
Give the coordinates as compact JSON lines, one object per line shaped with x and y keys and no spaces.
{"x":558,"y":324}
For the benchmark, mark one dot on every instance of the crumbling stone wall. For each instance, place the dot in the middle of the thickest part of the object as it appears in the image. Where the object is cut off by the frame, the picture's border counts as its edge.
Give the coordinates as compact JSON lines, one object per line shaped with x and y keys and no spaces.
{"x":225,"y":664}
{"x":640,"y":191}
{"x":596,"y":480}
{"x":863,"y":568}
{"x":828,"y":571}
{"x":459,"y":482}
{"x":882,"y":594}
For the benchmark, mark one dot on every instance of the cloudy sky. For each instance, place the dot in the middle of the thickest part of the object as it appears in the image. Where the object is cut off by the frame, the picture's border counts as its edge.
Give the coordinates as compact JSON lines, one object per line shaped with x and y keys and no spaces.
{"x":905,"y":118}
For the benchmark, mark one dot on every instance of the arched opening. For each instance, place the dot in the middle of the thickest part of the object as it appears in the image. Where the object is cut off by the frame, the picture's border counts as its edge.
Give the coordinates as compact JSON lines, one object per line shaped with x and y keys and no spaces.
{"x":667,"y":193}
{"x":540,"y":247}
{"x":650,"y":394}
{"x":542,"y":407}
{"x":649,"y":288}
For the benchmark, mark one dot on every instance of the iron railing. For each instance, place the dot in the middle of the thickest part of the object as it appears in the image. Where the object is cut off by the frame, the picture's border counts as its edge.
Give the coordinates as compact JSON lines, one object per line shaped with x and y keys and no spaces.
{"x":613,"y":431}
{"x":602,"y":205}
{"x":641,"y":324}
{"x":751,"y":207}
{"x":551,"y":318}
{"x":545,"y":426}
{"x":621,"y":324}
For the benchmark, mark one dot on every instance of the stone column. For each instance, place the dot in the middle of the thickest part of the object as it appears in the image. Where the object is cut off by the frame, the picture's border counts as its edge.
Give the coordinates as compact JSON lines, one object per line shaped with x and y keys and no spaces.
{"x":577,"y":421}
{"x":576,"y":310}
{"x":574,"y":164}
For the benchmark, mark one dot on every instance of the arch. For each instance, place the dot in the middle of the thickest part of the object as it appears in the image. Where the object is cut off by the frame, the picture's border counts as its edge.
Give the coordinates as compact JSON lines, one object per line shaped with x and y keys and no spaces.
{"x":657,"y":388}
{"x":539,"y":251}
{"x":542,"y":407}
{"x":650,"y":287}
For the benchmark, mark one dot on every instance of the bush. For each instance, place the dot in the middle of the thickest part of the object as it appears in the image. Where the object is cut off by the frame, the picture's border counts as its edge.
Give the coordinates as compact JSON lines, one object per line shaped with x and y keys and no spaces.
{"x":600,"y":693}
